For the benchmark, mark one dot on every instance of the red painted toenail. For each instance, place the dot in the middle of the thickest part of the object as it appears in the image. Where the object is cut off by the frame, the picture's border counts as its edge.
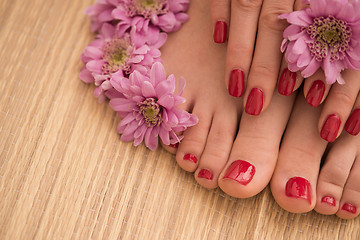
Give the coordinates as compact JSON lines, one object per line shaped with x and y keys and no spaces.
{"x":240,"y":171}
{"x":254,"y":102}
{"x":330,"y":128}
{"x":349,"y":208}
{"x":236,"y":83}
{"x":287,"y":82}
{"x":220,"y":32}
{"x":316,"y":93}
{"x":190,"y":157}
{"x":176,"y":145}
{"x":329,"y":200}
{"x":298,"y":187}
{"x":204,"y":173}
{"x":352,"y":125}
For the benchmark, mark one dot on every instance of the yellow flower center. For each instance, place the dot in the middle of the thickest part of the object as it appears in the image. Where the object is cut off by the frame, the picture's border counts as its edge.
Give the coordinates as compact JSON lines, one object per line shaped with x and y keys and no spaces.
{"x":151,"y":111}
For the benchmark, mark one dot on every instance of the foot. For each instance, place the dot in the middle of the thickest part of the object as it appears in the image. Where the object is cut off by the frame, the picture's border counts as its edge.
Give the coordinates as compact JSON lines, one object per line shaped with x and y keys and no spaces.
{"x":191,"y":53}
{"x":300,"y":185}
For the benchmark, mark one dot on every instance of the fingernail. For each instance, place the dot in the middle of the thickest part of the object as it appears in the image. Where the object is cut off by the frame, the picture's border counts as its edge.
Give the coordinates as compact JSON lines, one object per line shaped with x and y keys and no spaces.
{"x":176,"y":145}
{"x":349,"y":208}
{"x":298,"y":187}
{"x":316,"y":93}
{"x":190,"y":157}
{"x":204,"y":173}
{"x":330,"y":128}
{"x":236,"y":83}
{"x":329,"y":200}
{"x":220,"y":32}
{"x":254,"y":102}
{"x":287,"y":82}
{"x":352,"y":125}
{"x":240,"y":171}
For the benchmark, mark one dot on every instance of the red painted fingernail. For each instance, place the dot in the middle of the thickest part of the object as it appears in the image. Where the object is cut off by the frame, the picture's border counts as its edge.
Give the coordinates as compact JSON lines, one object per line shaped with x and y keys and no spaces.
{"x":240,"y":171}
{"x":254,"y":102}
{"x":352,"y":125}
{"x":236,"y":83}
{"x":220,"y":32}
{"x":329,"y":200}
{"x":287,"y":82}
{"x":204,"y":173}
{"x":349,"y":208}
{"x":316,"y":93}
{"x":330,"y":128}
{"x":190,"y":157}
{"x":298,"y":187}
{"x":176,"y":145}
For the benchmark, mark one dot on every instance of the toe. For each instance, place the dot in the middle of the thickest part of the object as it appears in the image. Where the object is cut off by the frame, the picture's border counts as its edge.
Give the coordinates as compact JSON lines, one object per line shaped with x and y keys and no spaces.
{"x":255,"y":150}
{"x":333,"y":176}
{"x":294,"y":181}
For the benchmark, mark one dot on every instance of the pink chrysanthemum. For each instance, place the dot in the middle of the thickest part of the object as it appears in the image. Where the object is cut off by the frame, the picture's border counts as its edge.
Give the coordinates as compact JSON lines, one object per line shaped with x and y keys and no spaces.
{"x":100,"y":13}
{"x":122,"y":54}
{"x":168,"y":15}
{"x":326,"y":35}
{"x":149,"y":108}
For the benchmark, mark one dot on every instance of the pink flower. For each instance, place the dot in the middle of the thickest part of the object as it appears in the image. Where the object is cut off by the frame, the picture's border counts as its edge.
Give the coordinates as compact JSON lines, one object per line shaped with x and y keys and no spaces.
{"x":100,"y":13}
{"x":112,"y":53}
{"x":168,"y":15}
{"x":149,"y":108}
{"x":326,"y":35}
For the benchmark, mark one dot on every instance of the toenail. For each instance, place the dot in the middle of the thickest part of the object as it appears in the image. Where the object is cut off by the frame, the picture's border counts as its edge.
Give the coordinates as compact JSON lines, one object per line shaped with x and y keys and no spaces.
{"x":176,"y":145}
{"x":254,"y":103}
{"x":240,"y":171}
{"x":190,"y":157}
{"x":204,"y":173}
{"x":287,"y":82}
{"x":298,"y":187}
{"x":349,"y":208}
{"x":316,"y":93}
{"x":352,"y":125}
{"x":330,"y":128}
{"x":220,"y":32}
{"x":236,"y":83}
{"x":329,"y":200}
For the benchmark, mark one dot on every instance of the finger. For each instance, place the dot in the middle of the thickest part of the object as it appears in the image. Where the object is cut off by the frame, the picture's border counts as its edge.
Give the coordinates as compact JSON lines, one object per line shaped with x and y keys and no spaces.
{"x":352,"y":125}
{"x":288,"y":81}
{"x":316,"y":89}
{"x":267,"y":57}
{"x":220,"y":14}
{"x":244,"y":18}
{"x":338,"y":105}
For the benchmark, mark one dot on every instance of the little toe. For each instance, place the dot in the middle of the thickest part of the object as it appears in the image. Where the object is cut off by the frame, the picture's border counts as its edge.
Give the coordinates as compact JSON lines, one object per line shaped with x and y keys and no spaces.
{"x":293,"y":184}
{"x":255,"y":150}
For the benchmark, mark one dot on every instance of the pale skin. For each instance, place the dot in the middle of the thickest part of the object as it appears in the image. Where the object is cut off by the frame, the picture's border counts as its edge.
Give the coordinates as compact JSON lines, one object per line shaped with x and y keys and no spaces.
{"x":225,"y":133}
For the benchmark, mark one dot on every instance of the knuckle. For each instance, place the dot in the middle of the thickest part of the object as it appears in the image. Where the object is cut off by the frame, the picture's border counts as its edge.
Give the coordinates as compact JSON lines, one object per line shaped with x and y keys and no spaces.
{"x":343,"y":98}
{"x":239,"y":49}
{"x":269,"y":18}
{"x":248,"y":5}
{"x":263,"y":69}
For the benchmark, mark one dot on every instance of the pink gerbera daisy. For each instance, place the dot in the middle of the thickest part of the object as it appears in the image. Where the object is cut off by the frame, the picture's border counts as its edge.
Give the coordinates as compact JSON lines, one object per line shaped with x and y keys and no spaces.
{"x":100,"y":13}
{"x":326,"y":35}
{"x":168,"y":15}
{"x":122,"y":54}
{"x":149,"y":108}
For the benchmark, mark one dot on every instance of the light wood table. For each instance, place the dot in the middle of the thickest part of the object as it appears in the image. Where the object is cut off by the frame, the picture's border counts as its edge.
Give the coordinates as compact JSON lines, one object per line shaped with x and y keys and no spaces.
{"x":64,"y":173}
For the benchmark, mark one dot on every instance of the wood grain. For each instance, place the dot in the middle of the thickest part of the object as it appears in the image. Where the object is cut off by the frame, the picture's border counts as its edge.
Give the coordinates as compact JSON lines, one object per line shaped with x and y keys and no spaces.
{"x":64,"y":173}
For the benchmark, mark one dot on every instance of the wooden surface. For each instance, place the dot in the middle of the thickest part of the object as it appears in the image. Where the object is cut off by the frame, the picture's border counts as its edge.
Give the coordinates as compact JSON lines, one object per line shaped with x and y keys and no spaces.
{"x":64,"y":172}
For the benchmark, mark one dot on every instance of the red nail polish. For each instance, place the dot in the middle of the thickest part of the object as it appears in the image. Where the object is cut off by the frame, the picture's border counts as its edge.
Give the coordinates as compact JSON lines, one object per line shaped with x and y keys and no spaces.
{"x":254,"y":102}
{"x":204,"y":173}
{"x":237,"y":83}
{"x":298,"y":187}
{"x":176,"y":145}
{"x":349,"y":208}
{"x":190,"y":157}
{"x":220,"y":32}
{"x":329,"y":200}
{"x":330,"y":128}
{"x":352,"y":125}
{"x":316,"y":93}
{"x":240,"y":171}
{"x":287,"y":82}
